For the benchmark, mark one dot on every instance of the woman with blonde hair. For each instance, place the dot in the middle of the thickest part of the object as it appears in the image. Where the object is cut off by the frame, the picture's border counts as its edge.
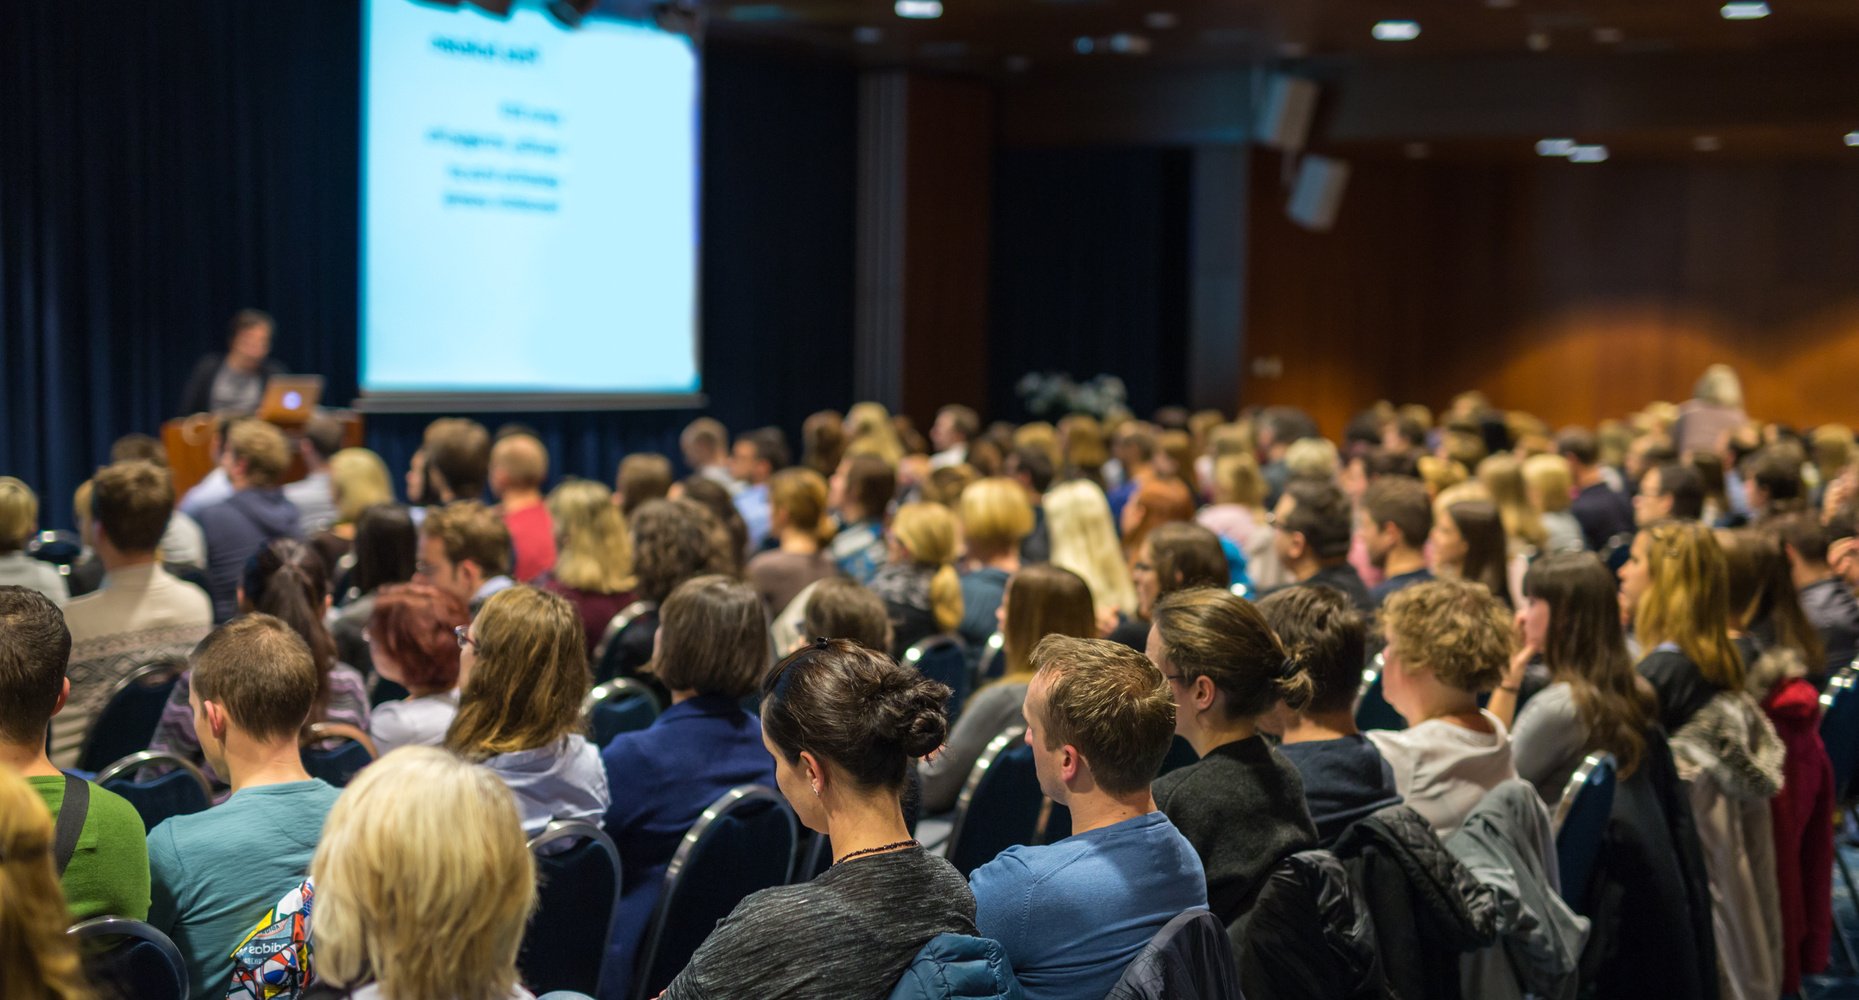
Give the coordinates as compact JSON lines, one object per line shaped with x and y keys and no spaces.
{"x":1039,"y":600}
{"x":797,"y":520}
{"x":919,"y":584}
{"x":869,"y":430}
{"x":37,"y":960}
{"x":424,"y":883}
{"x":593,"y":555}
{"x":358,"y":480}
{"x":1085,"y":542}
{"x":1239,"y":491}
{"x":522,"y":676}
{"x":1502,"y":475}
{"x":1081,"y":437}
{"x":1675,"y":585}
{"x":1550,"y":488}
{"x":1313,"y":458}
{"x":1440,"y":474}
{"x":19,"y":520}
{"x":996,"y":518}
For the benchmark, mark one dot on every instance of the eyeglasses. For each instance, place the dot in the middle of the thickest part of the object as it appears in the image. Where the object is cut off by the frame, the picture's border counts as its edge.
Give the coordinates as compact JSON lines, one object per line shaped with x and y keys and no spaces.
{"x":1174,"y":678}
{"x":1141,"y":567}
{"x":463,"y":634}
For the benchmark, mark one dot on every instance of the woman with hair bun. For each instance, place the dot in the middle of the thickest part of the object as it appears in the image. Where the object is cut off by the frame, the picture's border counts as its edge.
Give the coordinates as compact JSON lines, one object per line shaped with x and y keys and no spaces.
{"x":844,"y":724}
{"x":1242,"y":804}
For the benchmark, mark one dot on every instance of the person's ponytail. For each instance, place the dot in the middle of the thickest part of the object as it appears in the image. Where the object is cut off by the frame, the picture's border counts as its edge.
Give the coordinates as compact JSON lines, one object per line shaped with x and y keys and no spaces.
{"x":1294,"y":685}
{"x":946,"y":597}
{"x":287,"y":581}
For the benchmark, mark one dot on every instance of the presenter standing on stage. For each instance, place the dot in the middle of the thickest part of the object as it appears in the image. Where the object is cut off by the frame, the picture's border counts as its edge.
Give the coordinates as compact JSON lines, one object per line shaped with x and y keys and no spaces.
{"x":234,"y":382}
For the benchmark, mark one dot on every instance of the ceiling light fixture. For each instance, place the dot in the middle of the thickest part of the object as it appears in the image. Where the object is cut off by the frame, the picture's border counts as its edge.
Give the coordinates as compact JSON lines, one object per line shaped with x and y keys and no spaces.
{"x":1555,"y":147}
{"x":1396,"y":31}
{"x":1744,"y":10}
{"x":919,"y":10}
{"x":1707,"y":144}
{"x":1160,"y":20}
{"x":1852,"y":139}
{"x":1588,"y":154}
{"x":867,"y":35}
{"x":1537,"y":41}
{"x":1609,"y":36}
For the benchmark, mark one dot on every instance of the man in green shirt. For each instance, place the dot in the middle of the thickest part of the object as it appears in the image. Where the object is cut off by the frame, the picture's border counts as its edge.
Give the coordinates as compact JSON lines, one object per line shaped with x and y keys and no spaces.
{"x":108,"y":872}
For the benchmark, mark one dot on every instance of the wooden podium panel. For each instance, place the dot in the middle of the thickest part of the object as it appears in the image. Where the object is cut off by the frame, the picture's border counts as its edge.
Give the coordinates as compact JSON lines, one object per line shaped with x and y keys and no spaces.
{"x":189,"y":441}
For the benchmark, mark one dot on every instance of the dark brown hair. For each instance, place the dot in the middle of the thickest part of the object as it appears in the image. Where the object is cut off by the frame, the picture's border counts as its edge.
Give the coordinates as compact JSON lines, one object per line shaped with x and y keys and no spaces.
{"x":1763,"y":598}
{"x":413,"y":623}
{"x":131,"y":502}
{"x":1111,"y":703}
{"x":386,"y":547}
{"x":1321,"y":516}
{"x":714,"y":497}
{"x":643,"y":476}
{"x":840,"y":608}
{"x":459,"y":452}
{"x":288,"y":581}
{"x":1212,"y":632}
{"x":261,"y":671}
{"x":1401,"y":501}
{"x":1186,"y":555}
{"x":712,"y":637}
{"x":529,"y":678}
{"x":1587,"y":648}
{"x":855,"y":707}
{"x":35,"y":646}
{"x":1487,"y":557}
{"x":822,"y":441}
{"x":1043,"y":600}
{"x":871,"y":482}
{"x":1325,"y":638}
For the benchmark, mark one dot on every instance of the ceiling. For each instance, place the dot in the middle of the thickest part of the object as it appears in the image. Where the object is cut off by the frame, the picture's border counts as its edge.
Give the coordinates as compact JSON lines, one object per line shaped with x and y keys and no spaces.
{"x":1018,"y":36}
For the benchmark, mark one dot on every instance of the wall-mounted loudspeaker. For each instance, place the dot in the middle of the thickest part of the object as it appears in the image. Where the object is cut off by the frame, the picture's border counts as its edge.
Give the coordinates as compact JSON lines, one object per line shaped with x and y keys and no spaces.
{"x":1290,"y":104}
{"x":1317,"y":195}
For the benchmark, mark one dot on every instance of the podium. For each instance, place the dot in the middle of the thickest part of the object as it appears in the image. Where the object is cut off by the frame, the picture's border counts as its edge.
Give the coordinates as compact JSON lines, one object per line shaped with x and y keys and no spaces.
{"x":189,"y":441}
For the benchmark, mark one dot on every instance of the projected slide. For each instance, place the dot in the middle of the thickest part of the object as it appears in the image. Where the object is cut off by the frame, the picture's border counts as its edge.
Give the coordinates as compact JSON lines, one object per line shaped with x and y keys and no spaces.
{"x":530,"y":205}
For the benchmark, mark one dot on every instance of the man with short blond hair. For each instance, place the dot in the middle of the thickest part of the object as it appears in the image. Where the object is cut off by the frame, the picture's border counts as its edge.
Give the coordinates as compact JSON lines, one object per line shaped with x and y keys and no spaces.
{"x":705,"y":444}
{"x":1071,"y":915}
{"x":255,"y":457}
{"x":213,"y":874}
{"x":464,"y":550}
{"x":141,"y":615}
{"x":519,"y":467}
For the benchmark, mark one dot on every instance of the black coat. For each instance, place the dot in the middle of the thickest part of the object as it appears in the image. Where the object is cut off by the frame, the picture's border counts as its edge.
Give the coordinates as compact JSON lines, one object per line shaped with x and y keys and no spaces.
{"x":1650,"y":899}
{"x":1189,"y":959}
{"x":1308,"y":935}
{"x":1428,"y":908}
{"x":198,"y":396}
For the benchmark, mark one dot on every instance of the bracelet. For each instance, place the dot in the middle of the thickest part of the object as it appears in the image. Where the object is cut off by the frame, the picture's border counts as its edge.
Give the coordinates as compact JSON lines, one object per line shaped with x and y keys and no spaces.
{"x":1512,"y":690}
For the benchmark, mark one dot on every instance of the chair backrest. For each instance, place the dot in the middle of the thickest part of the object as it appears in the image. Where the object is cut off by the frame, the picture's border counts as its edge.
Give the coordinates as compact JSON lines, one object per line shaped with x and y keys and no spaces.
{"x":610,"y":653}
{"x":178,"y":792}
{"x":1581,"y":823}
{"x":130,"y":714}
{"x":1372,"y":708}
{"x":1190,"y":956}
{"x":621,"y":705}
{"x":125,"y":957}
{"x":578,"y":897}
{"x":994,"y":657}
{"x":745,"y":842}
{"x":339,"y":764}
{"x":1839,"y":726}
{"x":1000,"y":805}
{"x":943,"y":658}
{"x":61,"y":548}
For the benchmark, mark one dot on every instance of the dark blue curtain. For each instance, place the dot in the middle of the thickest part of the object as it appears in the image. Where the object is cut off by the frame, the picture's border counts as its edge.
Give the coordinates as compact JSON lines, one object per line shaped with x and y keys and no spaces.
{"x":1090,"y":271}
{"x":164,"y":164}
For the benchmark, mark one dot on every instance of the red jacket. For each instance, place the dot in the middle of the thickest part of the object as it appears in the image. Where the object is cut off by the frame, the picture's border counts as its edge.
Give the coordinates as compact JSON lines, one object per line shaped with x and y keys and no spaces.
{"x":1803,"y":814}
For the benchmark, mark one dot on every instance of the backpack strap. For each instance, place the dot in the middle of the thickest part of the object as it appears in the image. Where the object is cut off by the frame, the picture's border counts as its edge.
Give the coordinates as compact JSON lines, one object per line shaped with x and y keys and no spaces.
{"x":71,"y":816}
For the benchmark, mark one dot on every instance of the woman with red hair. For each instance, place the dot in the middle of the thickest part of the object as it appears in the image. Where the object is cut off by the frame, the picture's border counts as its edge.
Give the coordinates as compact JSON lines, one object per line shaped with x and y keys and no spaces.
{"x":410,"y":636}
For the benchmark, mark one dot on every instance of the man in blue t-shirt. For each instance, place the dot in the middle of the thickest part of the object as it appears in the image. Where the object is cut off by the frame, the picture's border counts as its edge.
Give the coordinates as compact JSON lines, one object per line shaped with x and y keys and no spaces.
{"x":1072,"y":915}
{"x":215,"y":874}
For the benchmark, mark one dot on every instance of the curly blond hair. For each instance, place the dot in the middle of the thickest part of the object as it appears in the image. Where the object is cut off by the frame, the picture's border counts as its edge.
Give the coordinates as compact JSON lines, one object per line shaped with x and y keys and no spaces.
{"x":1453,"y":628}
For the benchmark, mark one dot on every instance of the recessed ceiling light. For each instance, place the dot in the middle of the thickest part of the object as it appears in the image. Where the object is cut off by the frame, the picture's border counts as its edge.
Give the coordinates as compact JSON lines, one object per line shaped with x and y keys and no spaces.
{"x":1609,"y":36}
{"x":1744,"y":10}
{"x":1588,"y":154}
{"x":1417,"y":150}
{"x":1084,"y":45}
{"x":1707,"y":144}
{"x":868,"y":35}
{"x":1852,"y":138}
{"x":1124,"y":43}
{"x":1396,"y":31}
{"x":919,"y":10}
{"x":1555,"y":147}
{"x":1160,"y":20}
{"x":1018,"y":64}
{"x":1537,"y":41}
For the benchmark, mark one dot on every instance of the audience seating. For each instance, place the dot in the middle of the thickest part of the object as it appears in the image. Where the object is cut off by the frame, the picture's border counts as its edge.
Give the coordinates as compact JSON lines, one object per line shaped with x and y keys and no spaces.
{"x":1580,"y":823}
{"x":180,"y":791}
{"x":381,"y":691}
{"x":618,"y":706}
{"x":610,"y":654}
{"x":129,"y":716}
{"x":1839,"y":731}
{"x":943,"y":658}
{"x":1000,"y":805}
{"x":339,"y":764}
{"x":993,"y":660}
{"x":1372,"y":708}
{"x":60,"y":548}
{"x":1189,"y":958}
{"x":128,"y":958}
{"x":745,"y":842}
{"x":578,"y":898}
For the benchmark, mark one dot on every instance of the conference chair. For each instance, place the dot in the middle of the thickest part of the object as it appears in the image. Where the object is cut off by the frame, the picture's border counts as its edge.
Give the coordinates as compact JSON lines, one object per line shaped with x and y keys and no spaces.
{"x":1000,"y":805}
{"x":943,"y":658}
{"x":60,"y":548}
{"x":1372,"y":708}
{"x":621,"y":705}
{"x":129,"y":958}
{"x":1839,"y":731}
{"x":338,"y":765}
{"x":130,"y":714}
{"x":1580,"y":824}
{"x":611,"y":655}
{"x":1189,"y":957}
{"x":578,"y":897}
{"x":1055,"y":821}
{"x":744,"y":842}
{"x":178,"y":792}
{"x":381,"y":691}
{"x":993,"y":661}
